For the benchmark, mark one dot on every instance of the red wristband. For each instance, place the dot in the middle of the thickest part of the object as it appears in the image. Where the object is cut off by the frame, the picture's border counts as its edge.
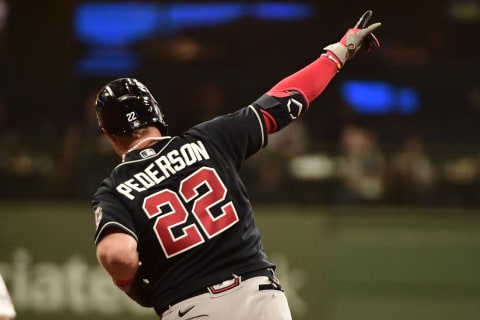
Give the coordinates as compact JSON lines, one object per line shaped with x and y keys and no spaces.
{"x":331,"y":56}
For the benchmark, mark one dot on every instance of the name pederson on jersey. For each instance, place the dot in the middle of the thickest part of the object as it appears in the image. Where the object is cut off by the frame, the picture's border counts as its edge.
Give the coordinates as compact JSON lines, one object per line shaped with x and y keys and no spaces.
{"x":190,"y":215}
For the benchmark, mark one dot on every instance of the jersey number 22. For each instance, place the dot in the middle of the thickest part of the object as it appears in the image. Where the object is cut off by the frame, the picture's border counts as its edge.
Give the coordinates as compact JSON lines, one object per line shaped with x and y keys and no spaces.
{"x":177,"y":214}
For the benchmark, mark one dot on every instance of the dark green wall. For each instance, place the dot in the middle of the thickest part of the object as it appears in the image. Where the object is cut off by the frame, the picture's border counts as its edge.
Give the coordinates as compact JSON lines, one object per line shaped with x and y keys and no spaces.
{"x":362,"y":263}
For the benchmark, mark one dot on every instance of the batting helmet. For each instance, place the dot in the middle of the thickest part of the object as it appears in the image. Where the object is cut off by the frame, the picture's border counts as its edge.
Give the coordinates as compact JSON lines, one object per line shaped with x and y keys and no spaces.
{"x":126,"y":104}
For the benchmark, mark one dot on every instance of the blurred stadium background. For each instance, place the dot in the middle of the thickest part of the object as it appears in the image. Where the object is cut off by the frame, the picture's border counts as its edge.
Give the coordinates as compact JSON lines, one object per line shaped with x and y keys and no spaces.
{"x":369,"y":203}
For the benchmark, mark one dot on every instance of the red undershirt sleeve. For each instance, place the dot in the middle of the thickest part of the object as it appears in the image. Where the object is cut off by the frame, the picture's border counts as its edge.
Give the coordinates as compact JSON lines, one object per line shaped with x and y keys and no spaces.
{"x":310,"y":81}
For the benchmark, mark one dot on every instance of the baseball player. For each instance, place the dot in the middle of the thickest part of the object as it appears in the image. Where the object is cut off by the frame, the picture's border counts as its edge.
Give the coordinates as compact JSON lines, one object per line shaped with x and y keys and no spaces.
{"x":174,"y":225}
{"x":7,"y":310}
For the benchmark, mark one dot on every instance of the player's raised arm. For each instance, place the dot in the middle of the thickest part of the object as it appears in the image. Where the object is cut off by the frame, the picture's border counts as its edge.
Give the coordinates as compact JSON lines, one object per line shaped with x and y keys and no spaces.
{"x":290,"y":97}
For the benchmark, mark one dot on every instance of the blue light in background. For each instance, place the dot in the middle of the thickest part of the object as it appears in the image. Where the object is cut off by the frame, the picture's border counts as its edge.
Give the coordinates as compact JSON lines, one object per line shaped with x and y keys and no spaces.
{"x":408,"y":100}
{"x":107,"y":61}
{"x":184,"y":15}
{"x":113,"y":26}
{"x":118,"y":23}
{"x":283,"y":11}
{"x":380,"y":97}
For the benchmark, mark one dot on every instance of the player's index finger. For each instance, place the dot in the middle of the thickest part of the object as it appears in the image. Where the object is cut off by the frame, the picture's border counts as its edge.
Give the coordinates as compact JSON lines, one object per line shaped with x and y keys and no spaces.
{"x":364,"y":19}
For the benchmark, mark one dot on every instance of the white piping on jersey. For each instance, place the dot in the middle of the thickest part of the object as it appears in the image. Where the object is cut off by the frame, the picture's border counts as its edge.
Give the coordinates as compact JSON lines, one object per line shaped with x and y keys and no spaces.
{"x":138,"y":144}
{"x":113,"y":223}
{"x":138,"y":160}
{"x":259,"y":122}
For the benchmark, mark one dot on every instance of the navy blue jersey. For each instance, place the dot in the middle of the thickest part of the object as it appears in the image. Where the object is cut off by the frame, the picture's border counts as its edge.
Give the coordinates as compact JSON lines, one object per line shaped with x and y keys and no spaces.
{"x":184,"y":203}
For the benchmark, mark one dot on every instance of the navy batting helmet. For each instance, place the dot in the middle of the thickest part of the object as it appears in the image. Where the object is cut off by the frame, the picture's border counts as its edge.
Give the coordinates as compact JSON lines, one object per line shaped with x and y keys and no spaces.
{"x":126,"y":104}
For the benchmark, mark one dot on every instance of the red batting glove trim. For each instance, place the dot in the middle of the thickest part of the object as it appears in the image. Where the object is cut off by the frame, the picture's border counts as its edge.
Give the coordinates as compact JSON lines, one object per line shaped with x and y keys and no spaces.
{"x":349,"y":32}
{"x":332,"y":57}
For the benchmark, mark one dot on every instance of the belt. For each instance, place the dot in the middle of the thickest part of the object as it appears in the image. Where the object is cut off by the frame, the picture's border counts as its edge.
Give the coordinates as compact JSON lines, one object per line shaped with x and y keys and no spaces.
{"x":257,"y":273}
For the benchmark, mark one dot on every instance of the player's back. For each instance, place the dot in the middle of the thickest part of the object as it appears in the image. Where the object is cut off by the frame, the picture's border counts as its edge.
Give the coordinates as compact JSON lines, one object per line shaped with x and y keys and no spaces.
{"x":190,"y":212}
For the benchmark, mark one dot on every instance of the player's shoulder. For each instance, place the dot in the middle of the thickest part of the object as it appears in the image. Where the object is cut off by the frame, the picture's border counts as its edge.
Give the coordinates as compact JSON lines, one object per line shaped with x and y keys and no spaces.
{"x":244,"y":119}
{"x":242,"y":132}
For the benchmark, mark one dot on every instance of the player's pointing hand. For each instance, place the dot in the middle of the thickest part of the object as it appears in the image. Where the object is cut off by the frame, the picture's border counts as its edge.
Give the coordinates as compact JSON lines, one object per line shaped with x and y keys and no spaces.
{"x":361,"y":35}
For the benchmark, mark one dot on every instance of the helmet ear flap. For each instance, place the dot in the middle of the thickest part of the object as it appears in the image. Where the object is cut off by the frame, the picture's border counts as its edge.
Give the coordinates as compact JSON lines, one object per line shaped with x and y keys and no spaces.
{"x":126,"y":104}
